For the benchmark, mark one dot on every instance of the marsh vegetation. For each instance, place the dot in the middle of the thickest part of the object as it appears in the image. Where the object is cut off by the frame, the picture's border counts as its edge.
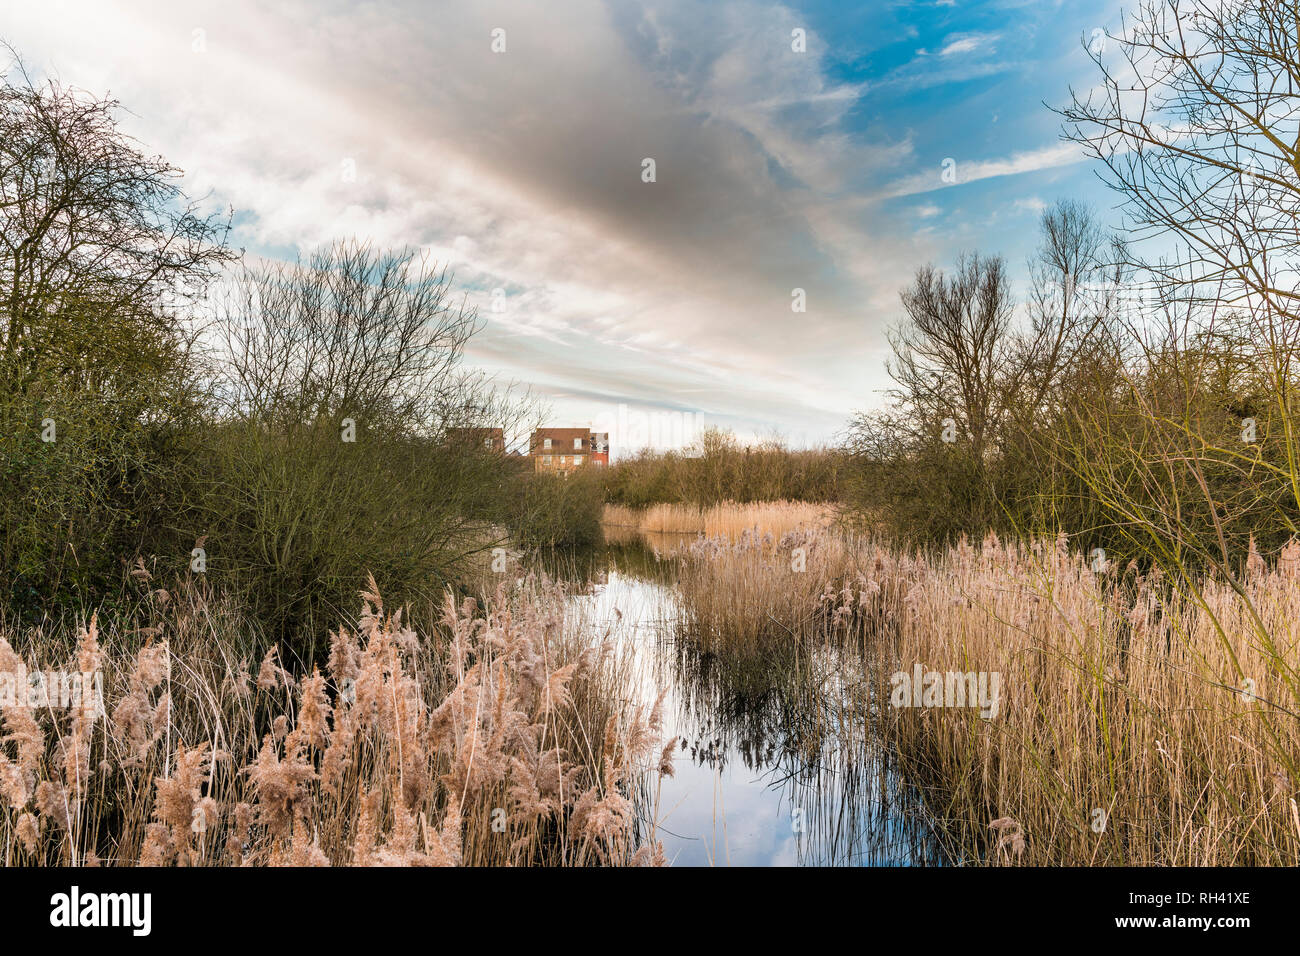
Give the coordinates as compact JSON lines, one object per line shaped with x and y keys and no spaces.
{"x":328,"y":631}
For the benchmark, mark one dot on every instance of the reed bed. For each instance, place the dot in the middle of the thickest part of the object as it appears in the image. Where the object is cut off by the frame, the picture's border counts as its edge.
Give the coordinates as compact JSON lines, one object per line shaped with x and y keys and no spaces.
{"x":495,"y":741}
{"x":761,"y":590}
{"x":728,"y":520}
{"x":1140,"y":720}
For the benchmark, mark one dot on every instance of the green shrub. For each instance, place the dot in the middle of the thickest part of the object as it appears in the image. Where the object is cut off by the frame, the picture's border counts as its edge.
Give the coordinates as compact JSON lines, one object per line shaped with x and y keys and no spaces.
{"x":553,"y":511}
{"x":296,"y":519}
{"x":718,"y":468}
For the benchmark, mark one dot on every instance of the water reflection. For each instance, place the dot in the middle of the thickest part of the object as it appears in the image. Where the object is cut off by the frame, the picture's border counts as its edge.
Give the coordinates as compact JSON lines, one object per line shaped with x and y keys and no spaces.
{"x":775,"y":766}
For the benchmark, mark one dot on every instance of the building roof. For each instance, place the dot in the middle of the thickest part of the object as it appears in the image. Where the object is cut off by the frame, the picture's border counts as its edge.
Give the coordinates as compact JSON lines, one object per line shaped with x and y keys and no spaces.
{"x":562,"y":438}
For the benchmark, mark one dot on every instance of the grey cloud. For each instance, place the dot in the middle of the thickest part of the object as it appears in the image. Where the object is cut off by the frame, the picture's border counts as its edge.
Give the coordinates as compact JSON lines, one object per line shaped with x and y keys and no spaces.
{"x":524,"y":169}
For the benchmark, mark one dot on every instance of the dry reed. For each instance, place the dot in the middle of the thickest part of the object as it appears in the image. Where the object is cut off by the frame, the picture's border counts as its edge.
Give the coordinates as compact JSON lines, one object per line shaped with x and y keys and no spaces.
{"x":1139,"y":722}
{"x":493,"y":742}
{"x":728,"y":520}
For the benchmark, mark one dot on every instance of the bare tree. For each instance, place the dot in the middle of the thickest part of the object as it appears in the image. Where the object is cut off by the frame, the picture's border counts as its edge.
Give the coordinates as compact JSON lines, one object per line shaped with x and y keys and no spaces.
{"x":352,"y":332}
{"x":1074,"y":291}
{"x":950,"y":355}
{"x":1195,"y":121}
{"x":338,"y":378}
{"x":90,"y":226}
{"x":97,"y":240}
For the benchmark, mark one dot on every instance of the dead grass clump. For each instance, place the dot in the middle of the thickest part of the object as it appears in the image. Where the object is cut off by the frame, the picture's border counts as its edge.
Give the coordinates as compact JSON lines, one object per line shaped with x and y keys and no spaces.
{"x":727,"y":520}
{"x":1139,"y":721}
{"x":495,"y":743}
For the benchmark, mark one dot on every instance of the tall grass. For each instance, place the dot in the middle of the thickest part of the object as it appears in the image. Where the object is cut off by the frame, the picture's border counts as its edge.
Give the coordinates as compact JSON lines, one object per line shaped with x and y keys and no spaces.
{"x":1140,"y":724}
{"x":728,"y":520}
{"x":500,"y":740}
{"x":1139,"y":721}
{"x":745,"y":598}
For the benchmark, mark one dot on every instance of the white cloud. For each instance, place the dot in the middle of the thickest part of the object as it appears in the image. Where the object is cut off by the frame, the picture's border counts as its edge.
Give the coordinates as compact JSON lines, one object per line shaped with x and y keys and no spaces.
{"x":963,"y":43}
{"x":970,"y":171}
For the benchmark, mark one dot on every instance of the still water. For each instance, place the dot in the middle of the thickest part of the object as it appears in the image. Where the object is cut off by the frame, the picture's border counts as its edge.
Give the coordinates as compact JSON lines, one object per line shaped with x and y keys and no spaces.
{"x":765,"y":775}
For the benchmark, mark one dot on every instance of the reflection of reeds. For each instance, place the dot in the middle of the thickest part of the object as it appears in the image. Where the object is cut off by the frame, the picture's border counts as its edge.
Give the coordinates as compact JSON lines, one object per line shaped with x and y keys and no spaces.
{"x":853,"y":810}
{"x":794,"y":715}
{"x":802,"y":722}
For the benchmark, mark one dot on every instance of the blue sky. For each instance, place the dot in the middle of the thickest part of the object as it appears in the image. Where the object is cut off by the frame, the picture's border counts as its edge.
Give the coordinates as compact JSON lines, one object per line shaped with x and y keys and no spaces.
{"x":775,"y":169}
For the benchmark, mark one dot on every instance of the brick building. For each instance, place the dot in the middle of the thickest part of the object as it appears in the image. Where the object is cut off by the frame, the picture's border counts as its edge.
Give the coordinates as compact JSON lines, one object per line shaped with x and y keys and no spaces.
{"x":565,"y":450}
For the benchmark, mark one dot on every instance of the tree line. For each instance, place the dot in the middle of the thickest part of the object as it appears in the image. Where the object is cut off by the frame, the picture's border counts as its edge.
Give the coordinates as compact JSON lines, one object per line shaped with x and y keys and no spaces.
{"x":1142,"y":396}
{"x":716,"y":467}
{"x":278,"y":430}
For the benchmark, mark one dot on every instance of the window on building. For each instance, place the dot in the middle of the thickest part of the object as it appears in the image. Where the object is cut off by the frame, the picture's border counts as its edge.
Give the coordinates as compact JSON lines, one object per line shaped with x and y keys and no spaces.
{"x":546,"y":459}
{"x":577,"y":443}
{"x":577,"y":459}
{"x":546,"y":443}
{"x":564,"y":459}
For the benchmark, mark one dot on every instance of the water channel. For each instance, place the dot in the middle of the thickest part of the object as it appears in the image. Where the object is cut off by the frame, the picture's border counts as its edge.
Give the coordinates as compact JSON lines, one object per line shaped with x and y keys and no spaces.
{"x":754,"y":785}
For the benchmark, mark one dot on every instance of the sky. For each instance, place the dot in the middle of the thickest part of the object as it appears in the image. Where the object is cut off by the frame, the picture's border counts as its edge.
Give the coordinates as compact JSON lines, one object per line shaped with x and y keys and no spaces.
{"x":824,"y":147}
